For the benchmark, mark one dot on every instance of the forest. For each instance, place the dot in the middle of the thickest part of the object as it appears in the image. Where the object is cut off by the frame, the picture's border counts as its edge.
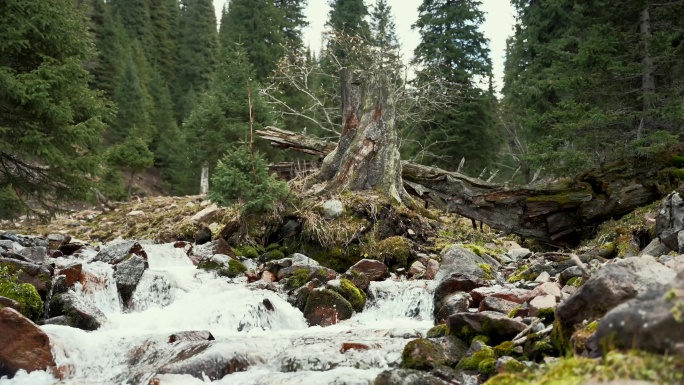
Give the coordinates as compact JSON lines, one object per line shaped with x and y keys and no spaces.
{"x":135,"y":86}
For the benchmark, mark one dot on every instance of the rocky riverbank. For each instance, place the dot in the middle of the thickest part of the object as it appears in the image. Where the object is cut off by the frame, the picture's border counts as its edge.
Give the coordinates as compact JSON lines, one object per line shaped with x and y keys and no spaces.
{"x":502,"y":313}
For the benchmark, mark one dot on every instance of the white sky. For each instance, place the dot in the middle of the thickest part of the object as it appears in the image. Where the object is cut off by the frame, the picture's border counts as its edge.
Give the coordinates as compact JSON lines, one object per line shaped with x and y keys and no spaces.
{"x":498,"y":26}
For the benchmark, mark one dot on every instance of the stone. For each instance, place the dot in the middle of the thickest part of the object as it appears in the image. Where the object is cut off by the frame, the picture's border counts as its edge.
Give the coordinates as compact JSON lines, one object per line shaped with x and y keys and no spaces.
{"x":40,"y":276}
{"x":203,"y":236}
{"x":498,"y":305}
{"x":35,"y":254}
{"x":202,"y":335}
{"x":548,"y":288}
{"x":359,"y":280}
{"x":431,"y":269}
{"x":453,"y":303}
{"x":325,"y":307}
{"x":512,"y":294}
{"x":655,"y":249}
{"x":198,"y":360}
{"x":6,"y":245}
{"x":543,"y":277}
{"x":457,"y":259}
{"x":136,"y":213}
{"x":511,"y":245}
{"x":8,"y":302}
{"x":23,"y":346}
{"x":408,"y":377}
{"x":79,"y":314}
{"x":61,"y":321}
{"x":59,"y":285}
{"x":347,"y":346}
{"x":289,"y":271}
{"x":518,"y":254}
{"x":670,"y":221}
{"x":267,"y":276}
{"x":417,"y":270}
{"x":456,"y":282}
{"x":498,"y":327}
{"x":72,"y":272}
{"x":427,"y":354}
{"x":541,"y":303}
{"x":128,"y":274}
{"x":612,"y":285}
{"x":569,"y":273}
{"x":116,"y":252}
{"x":374,"y":270}
{"x":205,"y":215}
{"x":332,"y":209}
{"x":652,"y":321}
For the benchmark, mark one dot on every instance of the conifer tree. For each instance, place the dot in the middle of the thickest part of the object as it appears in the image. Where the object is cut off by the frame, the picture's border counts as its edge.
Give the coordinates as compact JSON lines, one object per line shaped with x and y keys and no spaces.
{"x":51,"y":124}
{"x":163,"y":26}
{"x":292,"y":23}
{"x":384,"y":36}
{"x":110,"y":42}
{"x":135,"y":17}
{"x":132,"y":116}
{"x":348,"y":18}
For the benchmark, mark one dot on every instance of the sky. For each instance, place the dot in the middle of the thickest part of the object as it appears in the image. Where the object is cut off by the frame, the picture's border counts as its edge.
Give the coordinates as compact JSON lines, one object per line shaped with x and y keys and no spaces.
{"x":498,"y":26}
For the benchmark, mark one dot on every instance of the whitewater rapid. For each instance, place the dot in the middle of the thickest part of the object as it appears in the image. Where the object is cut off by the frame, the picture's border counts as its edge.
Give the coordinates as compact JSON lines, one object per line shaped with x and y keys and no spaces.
{"x":253,"y":324}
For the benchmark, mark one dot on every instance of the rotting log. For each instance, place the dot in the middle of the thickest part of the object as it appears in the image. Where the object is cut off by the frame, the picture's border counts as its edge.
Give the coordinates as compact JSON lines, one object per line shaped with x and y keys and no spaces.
{"x":559,"y":212}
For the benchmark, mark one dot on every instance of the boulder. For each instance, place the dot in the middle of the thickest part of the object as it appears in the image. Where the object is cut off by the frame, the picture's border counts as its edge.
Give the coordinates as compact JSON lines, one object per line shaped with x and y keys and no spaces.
{"x":128,"y":274}
{"x":79,"y":314}
{"x":202,"y":335}
{"x":333,"y":209}
{"x":359,"y":280}
{"x":541,"y":303}
{"x":408,"y":377}
{"x":670,"y":222}
{"x":518,"y":253}
{"x":457,"y":259}
{"x":8,"y":302}
{"x":59,"y":285}
{"x":326,"y":307}
{"x":205,"y":215}
{"x":425,"y":354}
{"x":72,"y":272}
{"x":431,"y":269}
{"x":453,"y":303}
{"x":498,"y":305}
{"x":612,"y":285}
{"x":114,"y":253}
{"x":35,"y":254}
{"x":655,"y":249}
{"x":39,"y":276}
{"x":23,"y":346}
{"x":652,"y":321}
{"x":417,"y":270}
{"x":454,"y":283}
{"x":512,"y":294}
{"x":545,"y":289}
{"x":498,"y":327}
{"x":203,"y":236}
{"x":374,"y":270}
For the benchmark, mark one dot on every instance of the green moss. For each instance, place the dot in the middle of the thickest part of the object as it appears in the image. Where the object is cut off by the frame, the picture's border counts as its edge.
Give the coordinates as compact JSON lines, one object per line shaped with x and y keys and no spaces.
{"x":349,"y":291}
{"x":512,"y":313}
{"x":487,"y":270}
{"x":677,"y":173}
{"x":671,"y":295}
{"x":677,"y":161}
{"x":560,"y":337}
{"x":422,"y":354}
{"x":677,"y":311}
{"x":504,"y":349}
{"x":479,"y":250}
{"x":487,"y":366}
{"x":575,"y":281}
{"x":391,"y":251}
{"x":548,"y":314}
{"x":273,"y":255}
{"x":514,"y":366}
{"x":235,"y":268}
{"x":523,"y":273}
{"x":297,"y":279}
{"x":247,"y":251}
{"x":473,"y":362}
{"x":544,"y":348}
{"x":438,"y":331}
{"x":30,"y":304}
{"x":272,"y":246}
{"x":481,"y":339}
{"x":337,"y":258}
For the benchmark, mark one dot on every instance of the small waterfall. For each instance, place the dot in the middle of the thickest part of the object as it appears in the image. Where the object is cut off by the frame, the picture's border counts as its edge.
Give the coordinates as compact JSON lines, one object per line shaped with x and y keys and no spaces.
{"x":98,"y":287}
{"x":391,"y":300}
{"x":155,"y":289}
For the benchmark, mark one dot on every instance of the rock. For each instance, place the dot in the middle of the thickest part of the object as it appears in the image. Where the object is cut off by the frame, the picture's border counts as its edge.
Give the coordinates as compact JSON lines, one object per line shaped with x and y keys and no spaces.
{"x":79,"y":314}
{"x":326,"y":307}
{"x":299,"y":297}
{"x":355,"y":297}
{"x":56,"y":240}
{"x":333,"y":209}
{"x":202,"y":335}
{"x":359,"y":280}
{"x":612,"y":285}
{"x":423,"y":354}
{"x":199,"y":360}
{"x":223,"y":265}
{"x":61,"y":321}
{"x":508,"y":364}
{"x":267,"y":276}
{"x":59,"y":285}
{"x":70,"y":248}
{"x":374,"y":270}
{"x":543,"y":277}
{"x":347,"y":346}
{"x":135,"y":213}
{"x":35,"y":254}
{"x":548,"y":288}
{"x":114,"y":253}
{"x":498,"y":305}
{"x":456,"y":282}
{"x":655,"y":249}
{"x":8,"y":302}
{"x":72,"y":272}
{"x":205,"y":215}
{"x":287,"y":272}
{"x":569,"y":273}
{"x":457,"y":302}
{"x":417,"y":270}
{"x":431,"y":269}
{"x":652,"y":321}
{"x":6,"y":245}
{"x":508,"y":293}
{"x":670,"y":221}
{"x":39,"y":276}
{"x":203,"y":236}
{"x":542,"y":303}
{"x":23,"y":346}
{"x":457,"y":259}
{"x":498,"y":327}
{"x":128,"y":274}
{"x":518,"y":254}
{"x":408,"y":377}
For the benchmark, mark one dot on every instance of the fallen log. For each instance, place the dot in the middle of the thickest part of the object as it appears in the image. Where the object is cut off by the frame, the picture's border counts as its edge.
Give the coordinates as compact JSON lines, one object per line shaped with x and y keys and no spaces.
{"x":560,"y":212}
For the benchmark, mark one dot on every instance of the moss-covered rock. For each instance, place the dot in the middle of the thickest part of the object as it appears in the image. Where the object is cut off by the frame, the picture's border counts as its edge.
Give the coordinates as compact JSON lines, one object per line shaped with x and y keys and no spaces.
{"x":579,"y":337}
{"x":487,"y":268}
{"x":473,"y":362}
{"x":247,"y":251}
{"x":235,"y":268}
{"x":326,"y":307}
{"x":31,"y":306}
{"x":422,"y":354}
{"x":297,"y":280}
{"x":347,"y":289}
{"x":521,"y":274}
{"x":438,"y":331}
{"x":393,"y":251}
{"x":223,"y":265}
{"x":273,"y":255}
{"x":504,"y":349}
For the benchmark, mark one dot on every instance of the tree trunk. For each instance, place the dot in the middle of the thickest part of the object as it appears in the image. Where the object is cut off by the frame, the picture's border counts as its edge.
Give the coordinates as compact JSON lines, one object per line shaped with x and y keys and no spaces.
{"x":367,"y":155}
{"x":648,"y":80}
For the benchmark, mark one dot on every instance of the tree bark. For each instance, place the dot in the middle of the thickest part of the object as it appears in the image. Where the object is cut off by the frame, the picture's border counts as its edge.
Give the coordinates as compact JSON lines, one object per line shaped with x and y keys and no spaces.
{"x":559,"y":212}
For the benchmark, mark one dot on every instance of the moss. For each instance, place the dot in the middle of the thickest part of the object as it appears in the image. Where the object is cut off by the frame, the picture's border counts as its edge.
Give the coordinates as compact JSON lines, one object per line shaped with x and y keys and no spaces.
{"x":548,"y":314}
{"x":523,"y":273}
{"x":355,"y":296}
{"x":273,"y":255}
{"x":560,"y":337}
{"x":272,"y":246}
{"x":247,"y":251}
{"x":30,"y":304}
{"x":297,"y":279}
{"x":391,"y":251}
{"x":487,"y":366}
{"x":479,"y":250}
{"x":235,"y":268}
{"x":337,"y":258}
{"x":422,"y":354}
{"x":575,"y":281}
{"x":504,"y":349}
{"x":487,"y":270}
{"x":473,"y":362}
{"x":512,"y":313}
{"x":677,"y":173}
{"x":544,"y":348}
{"x":438,"y":331}
{"x":677,"y":161}
{"x":671,"y":295}
{"x":481,"y":339}
{"x":677,"y":312}
{"x":514,"y":366}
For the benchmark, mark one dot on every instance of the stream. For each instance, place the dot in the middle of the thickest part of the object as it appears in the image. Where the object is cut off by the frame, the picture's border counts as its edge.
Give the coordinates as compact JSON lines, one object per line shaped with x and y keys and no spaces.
{"x":251,"y":325}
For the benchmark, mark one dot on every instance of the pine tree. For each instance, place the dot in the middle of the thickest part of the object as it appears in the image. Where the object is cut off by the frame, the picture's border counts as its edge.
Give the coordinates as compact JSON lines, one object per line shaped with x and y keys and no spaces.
{"x":163,"y":26}
{"x":135,"y":17}
{"x":52,"y":122}
{"x":132,"y":116}
{"x":110,"y":42}
{"x":197,"y":54}
{"x":346,"y":18}
{"x":454,"y":50}
{"x":292,"y":23}
{"x":384,"y":37}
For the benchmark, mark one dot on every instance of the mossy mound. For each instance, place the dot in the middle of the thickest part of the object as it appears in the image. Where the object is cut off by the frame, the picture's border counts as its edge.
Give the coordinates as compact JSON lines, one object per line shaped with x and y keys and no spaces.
{"x":232,"y":269}
{"x":438,"y":331}
{"x":247,"y":251}
{"x":349,"y":291}
{"x":486,"y":354}
{"x":422,"y":354}
{"x":297,"y":279}
{"x":31,"y":306}
{"x":392,"y":251}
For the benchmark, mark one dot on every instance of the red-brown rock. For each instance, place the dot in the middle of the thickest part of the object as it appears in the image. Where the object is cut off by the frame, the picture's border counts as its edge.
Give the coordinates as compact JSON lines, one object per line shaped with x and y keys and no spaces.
{"x":498,"y":305}
{"x":509,"y":294}
{"x":353,"y":345}
{"x":22,"y":344}
{"x":72,"y":273}
{"x":267,"y":276}
{"x":374,"y":270}
{"x":8,"y":302}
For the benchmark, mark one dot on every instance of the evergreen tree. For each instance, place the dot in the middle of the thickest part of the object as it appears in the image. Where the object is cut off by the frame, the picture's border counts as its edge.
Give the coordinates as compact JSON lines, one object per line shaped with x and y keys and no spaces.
{"x":455,"y":51}
{"x":292,"y":23}
{"x":384,"y":37}
{"x":110,"y":41}
{"x":132,"y":116}
{"x":135,"y":17}
{"x":197,"y":54}
{"x":163,"y":26}
{"x":132,"y":157}
{"x":346,"y":18}
{"x":51,"y":123}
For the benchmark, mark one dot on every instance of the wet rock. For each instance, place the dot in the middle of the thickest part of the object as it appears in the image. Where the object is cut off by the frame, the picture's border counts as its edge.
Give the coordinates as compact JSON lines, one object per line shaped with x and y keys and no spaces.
{"x":333,"y":209}
{"x":417,"y":270}
{"x":407,"y":377}
{"x":205,"y":215}
{"x":128,"y":274}
{"x":79,"y":314}
{"x":359,"y":280}
{"x":8,"y":302}
{"x":355,"y":296}
{"x":22,"y":344}
{"x":614,"y":284}
{"x":454,"y":283}
{"x":70,"y":248}
{"x":427,"y":354}
{"x":498,"y":305}
{"x":518,"y":254}
{"x":453,"y":303}
{"x":72,"y":272}
{"x":508,"y":293}
{"x":61,"y":321}
{"x":652,"y":321}
{"x":203,"y":236}
{"x":267,"y":276}
{"x":59,"y":285}
{"x":655,"y":249}
{"x":374,"y":270}
{"x":498,"y":327}
{"x":114,"y":253}
{"x":431,"y":269}
{"x":35,"y":254}
{"x":56,"y":240}
{"x":22,"y":240}
{"x":200,"y":359}
{"x":6,"y":245}
{"x":299,"y":296}
{"x":288,"y":272}
{"x":670,"y":222}
{"x":346,"y":346}
{"x":40,"y":276}
{"x":202,"y":335}
{"x":326,"y":307}
{"x":460,"y":260}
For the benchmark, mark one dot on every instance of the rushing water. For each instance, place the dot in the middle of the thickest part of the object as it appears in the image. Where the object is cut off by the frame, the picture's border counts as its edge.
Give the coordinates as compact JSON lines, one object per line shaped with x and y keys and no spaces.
{"x":173,"y":296}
